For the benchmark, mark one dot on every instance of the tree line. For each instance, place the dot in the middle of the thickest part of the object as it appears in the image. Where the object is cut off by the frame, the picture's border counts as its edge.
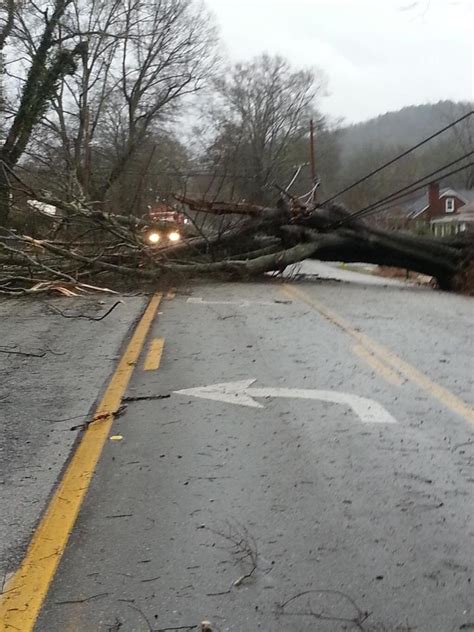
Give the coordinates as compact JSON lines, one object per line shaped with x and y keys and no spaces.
{"x":95,"y":95}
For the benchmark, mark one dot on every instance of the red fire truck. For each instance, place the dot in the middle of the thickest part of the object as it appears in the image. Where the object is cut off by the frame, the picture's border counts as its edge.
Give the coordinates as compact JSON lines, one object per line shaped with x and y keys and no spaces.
{"x":166,"y":224}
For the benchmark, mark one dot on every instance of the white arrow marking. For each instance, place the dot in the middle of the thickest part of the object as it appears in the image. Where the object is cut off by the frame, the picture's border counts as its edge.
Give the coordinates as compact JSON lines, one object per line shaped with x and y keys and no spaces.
{"x":240,"y":393}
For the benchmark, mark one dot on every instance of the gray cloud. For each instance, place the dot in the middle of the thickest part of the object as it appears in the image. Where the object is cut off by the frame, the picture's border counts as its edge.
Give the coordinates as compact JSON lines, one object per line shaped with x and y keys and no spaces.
{"x":379,"y":55}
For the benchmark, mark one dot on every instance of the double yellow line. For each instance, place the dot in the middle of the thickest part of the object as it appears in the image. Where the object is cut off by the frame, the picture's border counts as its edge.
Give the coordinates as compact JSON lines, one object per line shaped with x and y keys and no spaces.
{"x":389,"y":375}
{"x":385,"y":361}
{"x":26,"y":591}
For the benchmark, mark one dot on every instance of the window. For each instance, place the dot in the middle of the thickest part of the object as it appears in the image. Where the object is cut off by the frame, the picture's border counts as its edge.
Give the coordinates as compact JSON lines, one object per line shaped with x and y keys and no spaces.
{"x":449,"y":205}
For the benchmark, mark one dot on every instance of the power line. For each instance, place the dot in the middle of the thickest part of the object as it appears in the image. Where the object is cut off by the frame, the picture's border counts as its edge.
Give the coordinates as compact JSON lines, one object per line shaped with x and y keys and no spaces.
{"x":402,"y":155}
{"x":394,"y":195}
{"x":371,"y":210}
{"x":399,"y":197}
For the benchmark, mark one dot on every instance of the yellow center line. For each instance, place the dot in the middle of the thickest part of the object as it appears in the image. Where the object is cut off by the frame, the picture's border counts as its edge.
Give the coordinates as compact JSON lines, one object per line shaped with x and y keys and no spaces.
{"x":26,"y":591}
{"x":154,"y":355}
{"x":442,"y":394}
{"x":379,"y":367}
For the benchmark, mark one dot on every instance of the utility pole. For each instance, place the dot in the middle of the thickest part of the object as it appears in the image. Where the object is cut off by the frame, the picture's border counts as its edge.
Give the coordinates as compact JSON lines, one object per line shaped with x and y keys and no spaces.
{"x":312,"y":153}
{"x":314,"y":181}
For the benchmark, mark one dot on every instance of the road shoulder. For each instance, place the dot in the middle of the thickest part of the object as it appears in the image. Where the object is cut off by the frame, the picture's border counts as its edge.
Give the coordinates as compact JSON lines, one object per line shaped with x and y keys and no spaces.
{"x":53,"y":371}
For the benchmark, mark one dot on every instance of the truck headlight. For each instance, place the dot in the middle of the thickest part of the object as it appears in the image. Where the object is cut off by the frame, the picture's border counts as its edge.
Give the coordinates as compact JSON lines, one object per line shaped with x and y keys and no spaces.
{"x":154,"y":237}
{"x":174,"y":236}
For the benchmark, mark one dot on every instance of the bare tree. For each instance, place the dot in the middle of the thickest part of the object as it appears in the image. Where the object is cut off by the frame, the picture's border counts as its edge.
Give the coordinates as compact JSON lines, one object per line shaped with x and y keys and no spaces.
{"x":80,"y":100}
{"x":47,"y":64}
{"x":141,"y":61}
{"x":463,"y":134}
{"x":105,"y":79}
{"x":263,"y":108}
{"x":167,"y":54}
{"x":7,"y":20}
{"x":6,"y":25}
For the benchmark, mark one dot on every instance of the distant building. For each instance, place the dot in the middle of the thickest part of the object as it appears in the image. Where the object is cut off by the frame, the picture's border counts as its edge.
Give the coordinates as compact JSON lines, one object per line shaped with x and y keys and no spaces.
{"x":459,"y":222}
{"x":445,"y":211}
{"x":436,"y":202}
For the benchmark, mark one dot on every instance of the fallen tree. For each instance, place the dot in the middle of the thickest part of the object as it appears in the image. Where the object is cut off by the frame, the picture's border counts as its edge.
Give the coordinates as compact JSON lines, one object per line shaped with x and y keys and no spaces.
{"x":88,"y":244}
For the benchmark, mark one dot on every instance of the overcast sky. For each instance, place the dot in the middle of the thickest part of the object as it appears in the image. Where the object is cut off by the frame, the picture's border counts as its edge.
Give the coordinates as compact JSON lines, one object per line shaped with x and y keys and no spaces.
{"x":378,"y":55}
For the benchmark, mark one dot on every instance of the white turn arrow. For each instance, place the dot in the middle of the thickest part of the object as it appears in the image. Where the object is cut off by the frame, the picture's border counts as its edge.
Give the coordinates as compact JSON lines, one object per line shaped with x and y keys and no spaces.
{"x":240,"y":393}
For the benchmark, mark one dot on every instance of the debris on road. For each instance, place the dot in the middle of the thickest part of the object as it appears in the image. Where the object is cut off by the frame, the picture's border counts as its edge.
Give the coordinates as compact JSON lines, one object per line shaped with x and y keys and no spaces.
{"x":85,"y":316}
{"x":248,"y":240}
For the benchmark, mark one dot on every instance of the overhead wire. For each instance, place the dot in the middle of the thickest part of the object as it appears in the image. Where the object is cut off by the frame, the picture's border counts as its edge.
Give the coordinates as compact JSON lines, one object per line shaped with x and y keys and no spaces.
{"x":371,"y":210}
{"x":399,"y":157}
{"x":408,"y":188}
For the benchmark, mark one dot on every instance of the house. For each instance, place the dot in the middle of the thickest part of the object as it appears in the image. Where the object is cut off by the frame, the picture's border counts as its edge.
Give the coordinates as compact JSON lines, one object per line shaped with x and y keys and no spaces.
{"x":460,"y":222}
{"x":443,"y":209}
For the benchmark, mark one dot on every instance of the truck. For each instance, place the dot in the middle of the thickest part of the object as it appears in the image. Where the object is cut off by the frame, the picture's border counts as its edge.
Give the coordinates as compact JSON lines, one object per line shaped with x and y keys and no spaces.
{"x":167,"y":225}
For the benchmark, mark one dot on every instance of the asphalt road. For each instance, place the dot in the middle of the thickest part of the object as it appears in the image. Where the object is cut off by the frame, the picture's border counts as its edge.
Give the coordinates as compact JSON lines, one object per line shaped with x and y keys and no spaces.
{"x":327,"y":486}
{"x":51,"y":371}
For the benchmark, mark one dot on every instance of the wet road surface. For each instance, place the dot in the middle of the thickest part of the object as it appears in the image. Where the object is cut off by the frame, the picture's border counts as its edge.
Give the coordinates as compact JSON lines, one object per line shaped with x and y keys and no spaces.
{"x":327,"y":485}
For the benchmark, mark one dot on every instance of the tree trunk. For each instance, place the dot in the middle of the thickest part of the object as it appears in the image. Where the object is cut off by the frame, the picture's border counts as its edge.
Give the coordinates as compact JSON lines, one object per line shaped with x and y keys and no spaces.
{"x":5,"y":191}
{"x":265,"y":240}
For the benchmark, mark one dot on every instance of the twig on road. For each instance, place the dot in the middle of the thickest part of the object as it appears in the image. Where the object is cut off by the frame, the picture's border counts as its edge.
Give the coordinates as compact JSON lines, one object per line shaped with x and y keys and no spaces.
{"x":22,"y":353}
{"x":150,"y":579}
{"x":356,"y":621}
{"x":85,"y":316}
{"x":211,"y":479}
{"x":180,"y":627}
{"x":205,"y":626}
{"x":150,"y":627}
{"x":240,"y":580}
{"x":119,"y":516}
{"x":85,"y":600}
{"x":101,"y":417}
{"x":147,"y":398}
{"x":29,"y":354}
{"x":243,"y":548}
